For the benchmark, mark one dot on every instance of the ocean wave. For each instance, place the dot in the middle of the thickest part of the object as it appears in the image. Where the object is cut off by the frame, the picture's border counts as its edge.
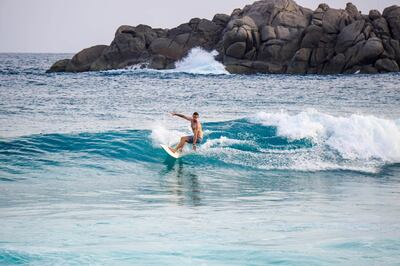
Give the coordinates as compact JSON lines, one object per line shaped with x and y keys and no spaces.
{"x":197,"y":62}
{"x":307,"y":141}
{"x":10,"y":257}
{"x":354,"y":137}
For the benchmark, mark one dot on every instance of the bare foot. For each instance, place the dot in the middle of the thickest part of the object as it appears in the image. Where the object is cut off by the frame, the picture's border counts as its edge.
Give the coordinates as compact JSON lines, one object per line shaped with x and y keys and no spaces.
{"x":172,"y":149}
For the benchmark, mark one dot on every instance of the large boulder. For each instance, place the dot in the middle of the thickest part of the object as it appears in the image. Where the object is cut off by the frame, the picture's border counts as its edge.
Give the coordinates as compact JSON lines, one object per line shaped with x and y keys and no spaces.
{"x":370,"y":51}
{"x":129,"y":47}
{"x":387,"y":65}
{"x":335,"y":65}
{"x":161,"y":62}
{"x":221,"y":20}
{"x":85,"y":58}
{"x":364,"y":53}
{"x":312,"y":37}
{"x":299,"y":63}
{"x":392,"y":15}
{"x":276,"y":12}
{"x":168,"y":48}
{"x":374,"y":14}
{"x":333,"y":20}
{"x":241,"y":39}
{"x":350,"y":35}
{"x":59,"y":66}
{"x":353,"y":12}
{"x":267,"y":31}
{"x":381,"y":27}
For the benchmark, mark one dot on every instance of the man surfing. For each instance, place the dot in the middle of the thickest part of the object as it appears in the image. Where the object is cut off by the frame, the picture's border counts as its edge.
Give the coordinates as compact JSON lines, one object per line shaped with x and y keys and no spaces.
{"x":197,"y":132}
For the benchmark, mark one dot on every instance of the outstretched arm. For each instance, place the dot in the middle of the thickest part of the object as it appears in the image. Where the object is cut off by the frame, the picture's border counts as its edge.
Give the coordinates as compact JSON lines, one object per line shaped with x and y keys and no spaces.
{"x":181,"y":116}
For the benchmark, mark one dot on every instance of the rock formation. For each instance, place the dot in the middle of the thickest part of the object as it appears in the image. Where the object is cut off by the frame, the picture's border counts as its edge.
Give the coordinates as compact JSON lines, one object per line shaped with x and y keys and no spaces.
{"x":268,"y":36}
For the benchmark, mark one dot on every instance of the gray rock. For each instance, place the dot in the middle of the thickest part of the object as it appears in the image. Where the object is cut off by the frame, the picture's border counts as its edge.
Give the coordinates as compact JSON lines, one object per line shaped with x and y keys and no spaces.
{"x":313,"y":35}
{"x":283,"y":33}
{"x":275,"y":68}
{"x":221,"y":20}
{"x":349,"y":36}
{"x":371,"y":50}
{"x":318,"y":57}
{"x":168,"y":48}
{"x":236,"y":50}
{"x":159,"y":62}
{"x":331,"y":21}
{"x":290,"y":19}
{"x":275,"y":42}
{"x":324,"y":7}
{"x":241,"y":37}
{"x":392,"y":15}
{"x":59,"y":66}
{"x":239,"y":69}
{"x":353,"y":11}
{"x":367,"y":69}
{"x":395,"y":44}
{"x":287,"y":52}
{"x":381,"y":28}
{"x":129,"y":47}
{"x":364,"y":53}
{"x":389,"y":51}
{"x":267,"y":33}
{"x":237,"y":34}
{"x":367,"y":30}
{"x":260,"y":66}
{"x":387,"y":65}
{"x":303,"y":54}
{"x":374,"y":14}
{"x":299,"y":63}
{"x":84,"y":59}
{"x":336,"y":65}
{"x":269,"y":53}
{"x":268,"y":36}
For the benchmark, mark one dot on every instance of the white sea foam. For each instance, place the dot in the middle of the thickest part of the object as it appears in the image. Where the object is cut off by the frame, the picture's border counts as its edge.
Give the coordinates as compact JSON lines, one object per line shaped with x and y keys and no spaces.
{"x":223,"y":142}
{"x":161,"y":135}
{"x":199,"y":61}
{"x":354,"y":137}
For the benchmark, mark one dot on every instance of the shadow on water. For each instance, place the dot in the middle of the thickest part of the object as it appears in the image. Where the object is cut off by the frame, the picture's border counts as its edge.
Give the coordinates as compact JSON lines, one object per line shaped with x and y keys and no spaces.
{"x":183,"y":183}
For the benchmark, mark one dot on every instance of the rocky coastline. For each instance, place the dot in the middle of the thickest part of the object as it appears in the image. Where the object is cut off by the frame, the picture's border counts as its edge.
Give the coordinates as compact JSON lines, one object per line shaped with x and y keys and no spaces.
{"x":268,"y":36}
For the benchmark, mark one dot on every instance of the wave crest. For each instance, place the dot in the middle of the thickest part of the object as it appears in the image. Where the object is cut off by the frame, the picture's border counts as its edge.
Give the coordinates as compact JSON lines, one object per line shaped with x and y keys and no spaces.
{"x":354,"y":137}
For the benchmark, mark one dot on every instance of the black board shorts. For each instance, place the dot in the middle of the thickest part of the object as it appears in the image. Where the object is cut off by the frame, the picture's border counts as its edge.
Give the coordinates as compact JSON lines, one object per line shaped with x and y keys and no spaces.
{"x":190,"y":140}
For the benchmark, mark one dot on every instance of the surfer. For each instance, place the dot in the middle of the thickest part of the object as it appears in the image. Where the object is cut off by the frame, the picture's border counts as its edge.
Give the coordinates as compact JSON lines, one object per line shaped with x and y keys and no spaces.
{"x":197,"y":132}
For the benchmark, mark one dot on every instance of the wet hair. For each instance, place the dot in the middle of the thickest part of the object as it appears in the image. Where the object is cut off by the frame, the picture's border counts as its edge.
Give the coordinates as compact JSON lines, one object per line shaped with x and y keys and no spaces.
{"x":196,"y":113}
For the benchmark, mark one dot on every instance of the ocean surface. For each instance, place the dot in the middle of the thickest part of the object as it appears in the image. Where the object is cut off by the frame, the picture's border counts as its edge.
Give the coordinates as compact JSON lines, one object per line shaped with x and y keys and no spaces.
{"x":293,"y":170}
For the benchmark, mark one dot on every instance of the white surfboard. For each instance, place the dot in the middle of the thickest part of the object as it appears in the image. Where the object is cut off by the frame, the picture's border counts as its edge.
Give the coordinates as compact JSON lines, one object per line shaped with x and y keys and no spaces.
{"x":175,"y":155}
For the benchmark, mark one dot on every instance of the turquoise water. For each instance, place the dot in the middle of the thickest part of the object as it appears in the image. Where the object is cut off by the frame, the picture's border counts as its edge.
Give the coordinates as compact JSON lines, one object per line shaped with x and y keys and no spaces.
{"x":293,"y":170}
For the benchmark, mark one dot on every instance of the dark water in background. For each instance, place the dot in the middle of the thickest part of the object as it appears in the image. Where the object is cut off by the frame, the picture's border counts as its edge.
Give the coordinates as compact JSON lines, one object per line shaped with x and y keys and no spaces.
{"x":294,"y":170}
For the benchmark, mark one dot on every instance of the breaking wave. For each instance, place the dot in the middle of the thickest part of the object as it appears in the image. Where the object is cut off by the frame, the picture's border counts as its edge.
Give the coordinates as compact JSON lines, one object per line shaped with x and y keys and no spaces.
{"x":199,"y":61}
{"x":306,"y":141}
